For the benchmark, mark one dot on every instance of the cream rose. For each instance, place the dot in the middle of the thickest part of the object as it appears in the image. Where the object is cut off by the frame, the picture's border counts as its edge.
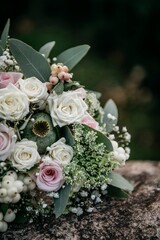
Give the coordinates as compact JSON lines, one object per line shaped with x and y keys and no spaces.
{"x":7,"y":141}
{"x":25,"y":155}
{"x":61,"y":152}
{"x":66,"y":108}
{"x":14,"y":104}
{"x":34,"y":89}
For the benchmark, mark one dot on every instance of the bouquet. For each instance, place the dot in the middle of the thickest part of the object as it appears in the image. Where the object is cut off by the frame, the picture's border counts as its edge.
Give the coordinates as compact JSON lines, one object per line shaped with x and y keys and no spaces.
{"x":58,"y":146}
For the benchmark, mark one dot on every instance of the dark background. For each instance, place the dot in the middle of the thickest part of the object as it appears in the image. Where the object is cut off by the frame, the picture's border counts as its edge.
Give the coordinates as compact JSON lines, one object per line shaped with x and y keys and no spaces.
{"x":123,"y":62}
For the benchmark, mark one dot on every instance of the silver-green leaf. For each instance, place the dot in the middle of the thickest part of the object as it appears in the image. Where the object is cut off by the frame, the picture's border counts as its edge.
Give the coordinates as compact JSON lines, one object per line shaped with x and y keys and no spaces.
{"x":72,"y":56}
{"x":110,"y":108}
{"x":67,"y":134}
{"x":120,"y":182}
{"x":61,"y":202}
{"x":47,"y":48}
{"x":59,"y":88}
{"x":4,"y":35}
{"x":31,"y":62}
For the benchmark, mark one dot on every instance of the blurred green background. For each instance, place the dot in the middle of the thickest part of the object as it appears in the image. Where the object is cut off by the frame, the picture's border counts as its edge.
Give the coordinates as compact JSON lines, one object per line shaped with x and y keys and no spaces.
{"x":123,"y":62}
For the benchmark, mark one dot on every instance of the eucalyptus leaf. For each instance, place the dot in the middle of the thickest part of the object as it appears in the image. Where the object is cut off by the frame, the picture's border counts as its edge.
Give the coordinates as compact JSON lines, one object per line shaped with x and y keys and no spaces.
{"x":61,"y":202}
{"x":72,"y":56}
{"x":66,"y":133}
{"x":59,"y":88}
{"x":31,"y":62}
{"x":110,"y":108}
{"x":120,"y":182}
{"x":72,"y":85}
{"x":116,"y":192}
{"x":4,"y":35}
{"x":47,"y":48}
{"x":101,"y":138}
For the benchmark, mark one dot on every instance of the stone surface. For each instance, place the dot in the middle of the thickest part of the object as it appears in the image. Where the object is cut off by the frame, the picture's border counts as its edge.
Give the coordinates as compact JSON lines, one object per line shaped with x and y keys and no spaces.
{"x":135,"y":218}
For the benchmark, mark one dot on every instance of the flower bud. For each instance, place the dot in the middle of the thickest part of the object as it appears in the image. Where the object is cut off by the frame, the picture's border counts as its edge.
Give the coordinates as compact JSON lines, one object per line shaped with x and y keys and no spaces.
{"x":65,"y":69}
{"x":3,"y":226}
{"x":7,"y":199}
{"x":7,"y":184}
{"x":3,"y":192}
{"x":31,"y":186}
{"x":12,"y":192}
{"x":62,"y":75}
{"x":7,"y":177}
{"x":25,"y":188}
{"x":21,"y":177}
{"x":16,"y":198}
{"x":27,"y":180}
{"x":19,"y":185}
{"x":9,"y":216}
{"x":53,"y":80}
{"x":12,"y":174}
{"x":59,"y":68}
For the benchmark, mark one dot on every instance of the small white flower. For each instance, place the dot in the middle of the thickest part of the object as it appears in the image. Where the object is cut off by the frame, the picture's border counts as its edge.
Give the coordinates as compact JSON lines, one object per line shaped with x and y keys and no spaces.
{"x":111,"y":137}
{"x":127,"y":137}
{"x":111,"y":117}
{"x":119,"y":153}
{"x":124,"y":129}
{"x":84,"y":194}
{"x":104,"y":187}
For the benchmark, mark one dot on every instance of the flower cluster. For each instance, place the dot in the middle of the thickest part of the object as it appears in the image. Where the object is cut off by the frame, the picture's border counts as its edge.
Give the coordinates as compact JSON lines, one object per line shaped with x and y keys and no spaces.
{"x":58,"y":146}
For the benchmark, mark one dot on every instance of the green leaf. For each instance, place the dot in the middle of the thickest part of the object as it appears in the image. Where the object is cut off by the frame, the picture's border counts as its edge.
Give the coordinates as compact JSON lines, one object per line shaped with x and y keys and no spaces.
{"x":72,"y":56}
{"x":101,"y":138}
{"x":4,"y":207}
{"x":4,"y":35}
{"x":59,"y":88}
{"x":116,"y":192}
{"x":120,"y":182}
{"x":71,"y":86}
{"x":21,"y":217}
{"x":47,"y":48}
{"x":61,"y":202}
{"x":66,"y":133}
{"x":31,"y":62}
{"x":110,"y":107}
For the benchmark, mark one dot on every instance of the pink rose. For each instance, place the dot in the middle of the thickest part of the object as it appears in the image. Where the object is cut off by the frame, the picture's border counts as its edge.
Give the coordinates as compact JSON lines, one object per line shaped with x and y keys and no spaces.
{"x":7,"y":141}
{"x":50,"y":177}
{"x":9,"y":77}
{"x":89,"y":121}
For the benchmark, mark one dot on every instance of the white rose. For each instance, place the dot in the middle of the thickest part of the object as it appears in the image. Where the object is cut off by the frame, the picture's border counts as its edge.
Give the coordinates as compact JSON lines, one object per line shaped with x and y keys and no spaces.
{"x":34,"y":89}
{"x":61,"y":152}
{"x":66,"y":108}
{"x":25,"y":155}
{"x":14,"y":104}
